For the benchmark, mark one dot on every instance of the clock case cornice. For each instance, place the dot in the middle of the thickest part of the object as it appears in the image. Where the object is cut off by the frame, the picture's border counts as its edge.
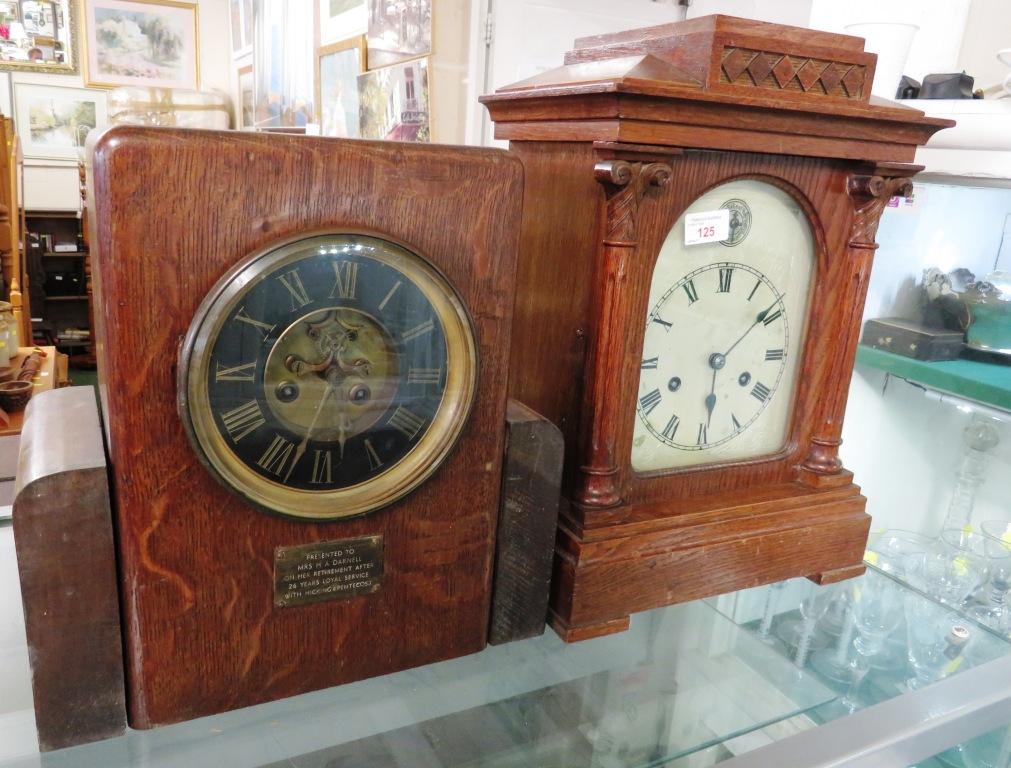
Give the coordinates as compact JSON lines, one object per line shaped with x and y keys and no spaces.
{"x":615,"y":145}
{"x":672,"y":85}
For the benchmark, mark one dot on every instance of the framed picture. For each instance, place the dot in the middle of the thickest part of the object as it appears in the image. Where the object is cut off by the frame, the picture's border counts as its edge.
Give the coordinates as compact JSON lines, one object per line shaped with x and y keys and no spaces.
{"x":242,"y":27}
{"x":150,"y":43}
{"x":393,"y":102}
{"x":53,"y":121}
{"x":398,"y":31}
{"x":283,"y":79}
{"x":339,"y":67}
{"x":339,"y":19}
{"x":6,"y":97}
{"x":244,"y":113}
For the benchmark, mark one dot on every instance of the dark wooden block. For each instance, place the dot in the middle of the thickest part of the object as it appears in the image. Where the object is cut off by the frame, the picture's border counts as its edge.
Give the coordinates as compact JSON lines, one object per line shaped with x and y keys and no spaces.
{"x":910,"y":339}
{"x":531,"y":490}
{"x":67,"y":563}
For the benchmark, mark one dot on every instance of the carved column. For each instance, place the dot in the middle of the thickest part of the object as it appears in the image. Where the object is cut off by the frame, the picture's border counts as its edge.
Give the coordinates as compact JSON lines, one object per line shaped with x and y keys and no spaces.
{"x":869,"y":193}
{"x":625,"y":184}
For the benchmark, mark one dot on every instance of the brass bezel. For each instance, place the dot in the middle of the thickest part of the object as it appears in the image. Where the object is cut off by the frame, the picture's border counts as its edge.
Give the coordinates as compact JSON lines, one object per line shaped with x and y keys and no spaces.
{"x":405,"y":475}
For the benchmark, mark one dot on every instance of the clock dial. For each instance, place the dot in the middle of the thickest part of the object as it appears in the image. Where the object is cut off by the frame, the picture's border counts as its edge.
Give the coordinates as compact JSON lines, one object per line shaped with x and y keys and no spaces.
{"x":328,"y":376}
{"x":722,"y":339}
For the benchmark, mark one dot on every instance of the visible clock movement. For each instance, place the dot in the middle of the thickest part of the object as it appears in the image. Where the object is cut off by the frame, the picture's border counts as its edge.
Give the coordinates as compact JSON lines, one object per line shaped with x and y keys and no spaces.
{"x":700,"y":204}
{"x":328,"y":376}
{"x":302,"y":349}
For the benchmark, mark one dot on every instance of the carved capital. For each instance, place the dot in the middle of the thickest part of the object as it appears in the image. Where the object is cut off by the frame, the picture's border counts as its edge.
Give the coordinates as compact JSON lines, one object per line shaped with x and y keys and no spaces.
{"x":625,"y":184}
{"x":870,"y":195}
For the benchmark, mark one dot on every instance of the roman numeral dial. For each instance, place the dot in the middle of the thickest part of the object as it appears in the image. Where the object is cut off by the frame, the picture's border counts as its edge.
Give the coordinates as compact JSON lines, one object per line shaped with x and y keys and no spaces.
{"x":723,"y":368}
{"x":723,"y":335}
{"x":328,"y":376}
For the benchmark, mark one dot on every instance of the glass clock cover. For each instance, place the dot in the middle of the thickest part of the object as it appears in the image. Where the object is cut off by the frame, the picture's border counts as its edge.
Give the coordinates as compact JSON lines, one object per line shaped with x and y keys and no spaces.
{"x":724,"y":333}
{"x":328,"y":376}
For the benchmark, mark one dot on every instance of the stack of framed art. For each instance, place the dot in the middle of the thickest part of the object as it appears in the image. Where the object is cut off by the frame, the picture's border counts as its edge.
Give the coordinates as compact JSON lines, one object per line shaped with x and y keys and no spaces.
{"x":150,"y":44}
{"x":368,"y":78}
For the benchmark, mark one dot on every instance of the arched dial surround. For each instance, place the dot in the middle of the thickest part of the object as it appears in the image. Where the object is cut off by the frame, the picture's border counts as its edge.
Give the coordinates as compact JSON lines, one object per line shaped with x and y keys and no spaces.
{"x":724,"y":332}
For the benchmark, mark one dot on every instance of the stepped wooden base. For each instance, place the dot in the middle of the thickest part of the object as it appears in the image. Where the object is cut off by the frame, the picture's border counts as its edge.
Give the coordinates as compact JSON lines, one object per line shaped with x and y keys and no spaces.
{"x":634,"y":559}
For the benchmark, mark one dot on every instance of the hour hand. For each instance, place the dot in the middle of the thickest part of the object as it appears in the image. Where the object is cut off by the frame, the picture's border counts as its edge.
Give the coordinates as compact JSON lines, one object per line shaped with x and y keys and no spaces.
{"x":716,"y":362}
{"x":327,"y":393}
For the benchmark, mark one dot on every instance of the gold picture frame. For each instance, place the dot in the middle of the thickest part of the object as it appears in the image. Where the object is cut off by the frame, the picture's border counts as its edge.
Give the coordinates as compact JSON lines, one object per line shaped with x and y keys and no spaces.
{"x":153,"y":43}
{"x":337,"y":69}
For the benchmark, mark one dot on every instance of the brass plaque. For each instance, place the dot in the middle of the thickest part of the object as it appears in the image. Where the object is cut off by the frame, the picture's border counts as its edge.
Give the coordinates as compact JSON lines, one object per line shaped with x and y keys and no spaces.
{"x":327,"y":570}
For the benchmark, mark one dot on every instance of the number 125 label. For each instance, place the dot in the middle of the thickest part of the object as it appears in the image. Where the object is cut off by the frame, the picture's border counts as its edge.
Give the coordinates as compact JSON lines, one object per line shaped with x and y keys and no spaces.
{"x":707,"y":227}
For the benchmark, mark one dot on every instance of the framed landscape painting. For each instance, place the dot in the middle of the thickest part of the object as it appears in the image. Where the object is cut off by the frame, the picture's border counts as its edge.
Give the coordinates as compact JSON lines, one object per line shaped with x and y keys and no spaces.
{"x":140,"y":43}
{"x":53,"y":121}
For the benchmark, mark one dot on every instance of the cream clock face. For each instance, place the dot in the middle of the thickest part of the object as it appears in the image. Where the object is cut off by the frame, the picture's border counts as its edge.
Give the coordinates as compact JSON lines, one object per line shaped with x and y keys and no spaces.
{"x":724,"y":333}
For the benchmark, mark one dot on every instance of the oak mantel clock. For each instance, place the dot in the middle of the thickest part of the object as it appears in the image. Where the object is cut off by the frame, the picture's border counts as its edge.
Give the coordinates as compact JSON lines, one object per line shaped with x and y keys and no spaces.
{"x":707,"y":193}
{"x":302,"y":360}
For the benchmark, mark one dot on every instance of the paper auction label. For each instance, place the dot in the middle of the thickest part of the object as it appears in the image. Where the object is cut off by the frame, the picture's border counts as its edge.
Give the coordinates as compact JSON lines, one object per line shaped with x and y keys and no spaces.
{"x":707,"y":227}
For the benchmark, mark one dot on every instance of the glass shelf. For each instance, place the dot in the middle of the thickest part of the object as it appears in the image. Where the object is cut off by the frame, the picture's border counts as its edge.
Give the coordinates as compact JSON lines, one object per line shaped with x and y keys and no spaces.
{"x":696,"y":679}
{"x":986,"y":381}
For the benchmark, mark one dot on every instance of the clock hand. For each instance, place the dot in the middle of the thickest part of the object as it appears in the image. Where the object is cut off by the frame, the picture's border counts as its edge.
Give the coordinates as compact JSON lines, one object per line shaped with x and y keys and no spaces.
{"x":761,"y":316}
{"x":330,"y":385}
{"x":710,"y":403}
{"x":716,"y":361}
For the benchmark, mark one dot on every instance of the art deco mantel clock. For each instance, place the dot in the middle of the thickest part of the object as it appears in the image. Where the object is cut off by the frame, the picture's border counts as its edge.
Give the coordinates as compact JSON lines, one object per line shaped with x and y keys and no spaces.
{"x":302,"y":358}
{"x":700,"y":206}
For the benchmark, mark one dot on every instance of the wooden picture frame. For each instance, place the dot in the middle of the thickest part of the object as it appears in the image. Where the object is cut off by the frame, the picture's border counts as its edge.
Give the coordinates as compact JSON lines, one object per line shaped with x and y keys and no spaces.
{"x":54,"y":121}
{"x":340,"y":19}
{"x":400,"y":90}
{"x":152,"y":43}
{"x":337,"y":69}
{"x":244,"y":104}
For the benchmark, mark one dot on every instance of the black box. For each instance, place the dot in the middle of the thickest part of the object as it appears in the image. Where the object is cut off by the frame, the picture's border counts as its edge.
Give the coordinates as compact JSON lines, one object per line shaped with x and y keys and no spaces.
{"x":911,"y":339}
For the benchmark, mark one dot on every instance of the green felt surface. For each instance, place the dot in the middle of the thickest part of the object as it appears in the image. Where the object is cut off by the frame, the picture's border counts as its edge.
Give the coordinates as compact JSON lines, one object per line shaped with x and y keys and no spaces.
{"x":985,"y":379}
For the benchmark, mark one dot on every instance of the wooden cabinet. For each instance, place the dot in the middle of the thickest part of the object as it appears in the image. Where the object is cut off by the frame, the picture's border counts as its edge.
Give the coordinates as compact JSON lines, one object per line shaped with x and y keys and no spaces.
{"x":56,"y":263}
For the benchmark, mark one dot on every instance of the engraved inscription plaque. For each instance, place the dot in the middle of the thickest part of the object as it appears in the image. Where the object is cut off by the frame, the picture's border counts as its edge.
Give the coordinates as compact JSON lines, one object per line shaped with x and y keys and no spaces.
{"x":327,"y":570}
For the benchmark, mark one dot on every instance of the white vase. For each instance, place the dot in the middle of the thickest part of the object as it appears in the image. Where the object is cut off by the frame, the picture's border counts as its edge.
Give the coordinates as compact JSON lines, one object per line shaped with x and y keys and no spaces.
{"x":891,"y":41}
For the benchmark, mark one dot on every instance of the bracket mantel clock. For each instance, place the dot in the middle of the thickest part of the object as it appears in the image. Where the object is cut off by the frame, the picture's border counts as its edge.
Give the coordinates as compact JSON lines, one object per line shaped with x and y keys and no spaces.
{"x":700,"y":206}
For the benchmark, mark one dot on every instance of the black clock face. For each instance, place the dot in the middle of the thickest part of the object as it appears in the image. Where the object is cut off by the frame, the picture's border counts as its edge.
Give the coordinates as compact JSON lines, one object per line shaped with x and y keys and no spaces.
{"x":328,"y":376}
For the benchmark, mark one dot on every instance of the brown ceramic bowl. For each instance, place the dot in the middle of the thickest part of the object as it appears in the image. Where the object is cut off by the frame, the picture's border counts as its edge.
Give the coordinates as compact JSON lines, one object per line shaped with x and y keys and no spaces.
{"x":14,"y":395}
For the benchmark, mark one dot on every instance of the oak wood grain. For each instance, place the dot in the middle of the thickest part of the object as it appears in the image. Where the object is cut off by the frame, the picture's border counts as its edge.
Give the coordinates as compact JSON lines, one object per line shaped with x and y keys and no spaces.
{"x":170,"y":211}
{"x":67,"y":565}
{"x":713,"y":100}
{"x":528,"y":519}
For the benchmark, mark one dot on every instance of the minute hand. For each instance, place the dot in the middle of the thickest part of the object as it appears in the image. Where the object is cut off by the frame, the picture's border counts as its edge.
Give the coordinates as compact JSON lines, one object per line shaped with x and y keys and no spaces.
{"x":761,"y":316}
{"x":328,"y":392}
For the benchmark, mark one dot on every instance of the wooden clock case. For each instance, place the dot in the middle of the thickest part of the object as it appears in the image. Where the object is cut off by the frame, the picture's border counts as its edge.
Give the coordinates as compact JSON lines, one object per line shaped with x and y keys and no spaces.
{"x":171,"y":211}
{"x":615,"y":144}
